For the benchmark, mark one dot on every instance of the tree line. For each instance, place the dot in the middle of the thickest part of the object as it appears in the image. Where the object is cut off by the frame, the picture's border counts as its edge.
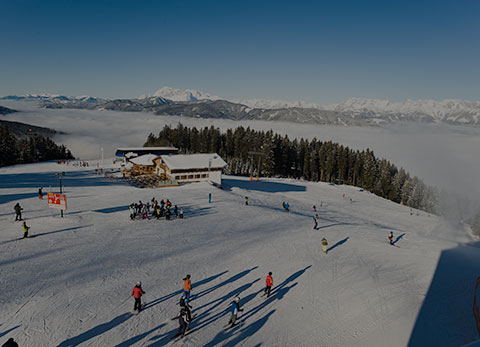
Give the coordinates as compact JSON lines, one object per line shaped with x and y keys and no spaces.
{"x":33,"y":149}
{"x":251,"y":152}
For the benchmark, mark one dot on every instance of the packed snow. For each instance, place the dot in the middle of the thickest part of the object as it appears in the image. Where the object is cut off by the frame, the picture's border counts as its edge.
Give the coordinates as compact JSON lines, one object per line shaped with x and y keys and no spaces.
{"x":70,"y":282}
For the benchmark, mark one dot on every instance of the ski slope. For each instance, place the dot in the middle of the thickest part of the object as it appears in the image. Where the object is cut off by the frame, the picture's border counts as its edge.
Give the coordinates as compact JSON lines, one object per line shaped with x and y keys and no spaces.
{"x":69,"y":284}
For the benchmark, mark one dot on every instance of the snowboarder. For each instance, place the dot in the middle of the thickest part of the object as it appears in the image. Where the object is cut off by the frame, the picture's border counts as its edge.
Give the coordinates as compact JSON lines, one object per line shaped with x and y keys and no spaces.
{"x":246,"y":200}
{"x":235,"y":308}
{"x":187,"y":287}
{"x":18,"y":212}
{"x":315,"y":220}
{"x":25,"y":229}
{"x":269,"y":284}
{"x":390,"y":238}
{"x":40,"y":194}
{"x":137,"y":293}
{"x":181,"y":212}
{"x":10,"y":343}
{"x":209,"y":197}
{"x":324,"y":245}
{"x":184,"y":319}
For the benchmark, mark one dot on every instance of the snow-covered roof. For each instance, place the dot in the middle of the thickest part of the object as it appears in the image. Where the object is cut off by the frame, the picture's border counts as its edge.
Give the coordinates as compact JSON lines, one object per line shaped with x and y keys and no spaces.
{"x":193,"y":161}
{"x":146,"y":159}
{"x":133,"y":149}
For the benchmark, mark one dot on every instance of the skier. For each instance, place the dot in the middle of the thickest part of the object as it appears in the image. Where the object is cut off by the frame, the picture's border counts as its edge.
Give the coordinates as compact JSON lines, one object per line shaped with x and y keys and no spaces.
{"x":314,"y":208}
{"x":40,"y":194}
{"x":18,"y":212}
{"x":25,"y":229}
{"x":181,"y":212}
{"x":175,"y":210}
{"x":324,"y":245}
{"x":137,"y":293}
{"x":10,"y":343}
{"x":390,"y":238}
{"x":132,"y":211}
{"x":209,"y":197}
{"x":235,"y":308}
{"x":187,"y":287}
{"x":168,"y":214}
{"x":184,"y":319}
{"x":315,"y":220}
{"x":246,"y":200}
{"x":286,"y":206}
{"x":269,"y":284}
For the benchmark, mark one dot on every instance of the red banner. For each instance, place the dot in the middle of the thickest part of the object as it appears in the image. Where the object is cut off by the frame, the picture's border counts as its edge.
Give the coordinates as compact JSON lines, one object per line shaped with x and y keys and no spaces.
{"x":57,"y":201}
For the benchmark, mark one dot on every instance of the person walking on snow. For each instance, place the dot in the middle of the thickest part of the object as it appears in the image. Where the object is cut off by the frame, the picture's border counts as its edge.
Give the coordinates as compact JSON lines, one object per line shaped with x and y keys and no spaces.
{"x":314,"y":208}
{"x":40,"y":194}
{"x":187,"y":287}
{"x":234,"y":309}
{"x":269,"y":284}
{"x":25,"y":229}
{"x":315,"y":220}
{"x":18,"y":212}
{"x":137,"y":293}
{"x":390,"y":238}
{"x":324,"y":245}
{"x":246,"y":200}
{"x":181,"y":213}
{"x":209,"y":197}
{"x":184,"y":318}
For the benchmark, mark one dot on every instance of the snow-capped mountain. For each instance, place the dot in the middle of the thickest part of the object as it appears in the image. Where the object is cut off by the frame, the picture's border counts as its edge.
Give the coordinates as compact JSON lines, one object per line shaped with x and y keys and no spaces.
{"x":354,"y":111}
{"x":180,"y":95}
{"x":276,"y":104}
{"x":448,"y":111}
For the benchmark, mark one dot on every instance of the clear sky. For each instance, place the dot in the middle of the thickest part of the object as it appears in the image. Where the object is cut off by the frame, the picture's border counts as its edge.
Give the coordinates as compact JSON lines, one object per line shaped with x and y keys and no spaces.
{"x":319,"y":51}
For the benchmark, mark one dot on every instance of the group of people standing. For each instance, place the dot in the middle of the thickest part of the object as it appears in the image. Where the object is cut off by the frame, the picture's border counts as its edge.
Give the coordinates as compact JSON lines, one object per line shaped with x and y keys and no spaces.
{"x":155,"y":209}
{"x":185,"y":315}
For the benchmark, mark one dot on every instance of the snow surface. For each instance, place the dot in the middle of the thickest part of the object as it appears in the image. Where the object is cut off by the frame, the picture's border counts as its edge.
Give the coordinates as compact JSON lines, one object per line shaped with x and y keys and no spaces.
{"x":70,"y":283}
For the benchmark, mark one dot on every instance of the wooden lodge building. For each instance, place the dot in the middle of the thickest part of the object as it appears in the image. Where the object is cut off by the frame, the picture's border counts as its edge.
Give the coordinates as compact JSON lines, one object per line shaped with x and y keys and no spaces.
{"x":179,"y":168}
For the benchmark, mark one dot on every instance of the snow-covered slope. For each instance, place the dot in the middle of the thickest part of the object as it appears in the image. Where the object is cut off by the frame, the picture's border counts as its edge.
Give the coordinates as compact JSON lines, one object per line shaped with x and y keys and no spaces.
{"x":70,"y":283}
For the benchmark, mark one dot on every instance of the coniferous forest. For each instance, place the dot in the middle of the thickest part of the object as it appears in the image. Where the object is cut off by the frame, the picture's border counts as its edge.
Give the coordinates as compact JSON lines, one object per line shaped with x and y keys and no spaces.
{"x":245,"y":150}
{"x":33,"y":149}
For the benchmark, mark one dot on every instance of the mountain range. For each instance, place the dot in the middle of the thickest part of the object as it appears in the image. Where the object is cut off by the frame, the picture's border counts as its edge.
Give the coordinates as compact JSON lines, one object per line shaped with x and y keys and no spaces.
{"x":354,"y":111}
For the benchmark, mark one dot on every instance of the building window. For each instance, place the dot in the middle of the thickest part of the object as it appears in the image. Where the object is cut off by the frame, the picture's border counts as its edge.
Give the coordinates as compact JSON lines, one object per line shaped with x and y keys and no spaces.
{"x":183,"y":177}
{"x":190,"y":176}
{"x":204,"y":175}
{"x":197,"y":176}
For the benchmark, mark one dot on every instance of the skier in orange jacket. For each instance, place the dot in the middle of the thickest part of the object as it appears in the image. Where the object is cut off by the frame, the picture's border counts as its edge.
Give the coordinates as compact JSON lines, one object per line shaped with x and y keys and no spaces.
{"x":187,"y":286}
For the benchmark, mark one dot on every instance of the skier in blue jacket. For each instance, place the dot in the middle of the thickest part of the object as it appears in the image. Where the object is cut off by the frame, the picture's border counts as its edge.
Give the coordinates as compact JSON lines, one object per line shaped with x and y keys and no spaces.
{"x":235,"y":308}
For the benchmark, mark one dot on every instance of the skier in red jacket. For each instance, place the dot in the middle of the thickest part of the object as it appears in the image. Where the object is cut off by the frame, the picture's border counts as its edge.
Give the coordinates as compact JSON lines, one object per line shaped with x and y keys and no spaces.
{"x":137,"y":293}
{"x":269,"y":282}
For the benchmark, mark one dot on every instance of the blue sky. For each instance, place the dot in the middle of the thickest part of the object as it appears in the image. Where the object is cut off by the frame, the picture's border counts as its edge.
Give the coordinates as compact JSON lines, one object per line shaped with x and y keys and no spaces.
{"x":316,"y":51}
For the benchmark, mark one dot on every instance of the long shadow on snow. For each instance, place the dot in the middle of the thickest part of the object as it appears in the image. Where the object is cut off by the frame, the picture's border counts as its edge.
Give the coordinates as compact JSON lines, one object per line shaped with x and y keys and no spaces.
{"x":61,"y":230}
{"x":3,"y":333}
{"x":164,"y":338}
{"x":191,"y":211}
{"x":277,"y":294}
{"x":263,"y":186}
{"x":446,"y":316}
{"x":6,"y":198}
{"x":47,"y":233}
{"x":398,"y":238}
{"x":135,"y":339}
{"x":179,"y":292}
{"x":45,"y":179}
{"x":95,"y":331}
{"x":205,"y":319}
{"x":339,"y":243}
